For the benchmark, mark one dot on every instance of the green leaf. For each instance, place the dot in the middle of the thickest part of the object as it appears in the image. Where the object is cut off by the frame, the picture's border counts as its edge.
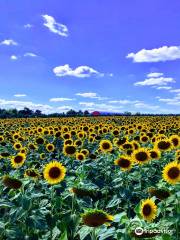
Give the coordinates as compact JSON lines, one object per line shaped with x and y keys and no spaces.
{"x":55,"y":232}
{"x":83,"y":232}
{"x":63,"y":236}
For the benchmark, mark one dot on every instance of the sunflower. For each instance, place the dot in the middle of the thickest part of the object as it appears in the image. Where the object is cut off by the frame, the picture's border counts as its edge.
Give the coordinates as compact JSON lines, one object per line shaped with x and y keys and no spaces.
{"x":175,"y":140}
{"x":96,"y":218}
{"x":85,"y":152}
{"x":155,"y":154}
{"x":80,"y":156}
{"x":68,"y":142}
{"x":18,"y":160}
{"x":33,"y":173}
{"x":124,"y":162}
{"x":148,"y":210}
{"x":105,"y":145}
{"x":171,"y":172}
{"x":50,"y":147}
{"x":42,"y":156}
{"x":69,"y":150}
{"x":17,"y":146}
{"x":163,"y":144}
{"x":1,"y":138}
{"x":11,"y":182}
{"x":141,"y":155}
{"x":54,"y":172}
{"x":23,"y":150}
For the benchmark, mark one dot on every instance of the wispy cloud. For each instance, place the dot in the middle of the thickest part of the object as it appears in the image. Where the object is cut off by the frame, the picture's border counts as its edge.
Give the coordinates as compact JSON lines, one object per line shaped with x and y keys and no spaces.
{"x":142,"y":105}
{"x":80,"y":72}
{"x":171,"y":101}
{"x":54,"y":26}
{"x":61,"y":99}
{"x":28,"y":25}
{"x":165,"y":88}
{"x":29,"y":54}
{"x":161,"y":54}
{"x":8,"y":42}
{"x":124,"y":101}
{"x":20,"y":95}
{"x":91,"y":95}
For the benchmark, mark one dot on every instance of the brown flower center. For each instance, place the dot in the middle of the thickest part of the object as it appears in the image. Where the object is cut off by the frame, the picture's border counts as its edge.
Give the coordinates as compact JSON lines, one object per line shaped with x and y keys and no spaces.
{"x":163,"y":145}
{"x":18,"y":159}
{"x":54,"y":172}
{"x":173,"y":173}
{"x":146,"y":210}
{"x":141,"y":156}
{"x":124,"y":163}
{"x":70,"y":149}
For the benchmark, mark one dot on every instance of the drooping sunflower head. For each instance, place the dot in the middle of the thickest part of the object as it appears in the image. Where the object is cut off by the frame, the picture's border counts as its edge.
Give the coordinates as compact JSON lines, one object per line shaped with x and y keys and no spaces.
{"x":80,"y":156}
{"x":148,"y":210}
{"x":50,"y":147}
{"x":18,"y":160}
{"x":39,"y":140}
{"x":69,"y":150}
{"x":159,"y":193}
{"x":32,"y":173}
{"x":105,"y":145}
{"x":11,"y":182}
{"x":163,"y":145}
{"x":96,"y":218}
{"x":124,"y":162}
{"x":171,"y":172}
{"x":54,"y":172}
{"x":141,"y":155}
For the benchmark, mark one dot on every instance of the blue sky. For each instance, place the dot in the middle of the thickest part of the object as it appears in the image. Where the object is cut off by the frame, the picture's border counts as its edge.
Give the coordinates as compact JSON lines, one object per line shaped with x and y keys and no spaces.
{"x":106,"y":55}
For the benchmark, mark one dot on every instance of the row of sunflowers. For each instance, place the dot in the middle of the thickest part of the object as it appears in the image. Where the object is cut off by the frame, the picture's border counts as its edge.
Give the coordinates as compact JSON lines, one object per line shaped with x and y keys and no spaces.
{"x":90,"y":178}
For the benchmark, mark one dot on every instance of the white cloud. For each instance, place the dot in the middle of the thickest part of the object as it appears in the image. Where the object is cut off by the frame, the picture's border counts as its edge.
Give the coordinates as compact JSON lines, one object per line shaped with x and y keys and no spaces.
{"x":164,"y":53}
{"x":28,"y":25}
{"x":155,"y":81}
{"x":142,"y":105}
{"x":9,"y":42}
{"x":87,"y":94}
{"x":124,"y":101}
{"x":21,"y":104}
{"x":175,"y":90}
{"x":29,"y":54}
{"x":13,"y":57}
{"x":60,"y":99}
{"x":91,"y":95}
{"x":171,"y":101}
{"x":165,"y":88}
{"x":64,"y":108}
{"x":87,"y":104}
{"x":54,"y":26}
{"x":154,"y":74}
{"x":20,"y":95}
{"x":81,"y":71}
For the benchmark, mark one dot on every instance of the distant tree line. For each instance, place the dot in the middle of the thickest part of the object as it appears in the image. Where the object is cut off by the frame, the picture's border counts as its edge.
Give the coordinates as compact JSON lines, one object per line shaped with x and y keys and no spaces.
{"x":28,"y":113}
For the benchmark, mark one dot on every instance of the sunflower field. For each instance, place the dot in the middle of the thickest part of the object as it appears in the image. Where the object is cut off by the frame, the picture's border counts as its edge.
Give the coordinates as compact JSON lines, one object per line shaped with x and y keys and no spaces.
{"x":90,"y":178}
